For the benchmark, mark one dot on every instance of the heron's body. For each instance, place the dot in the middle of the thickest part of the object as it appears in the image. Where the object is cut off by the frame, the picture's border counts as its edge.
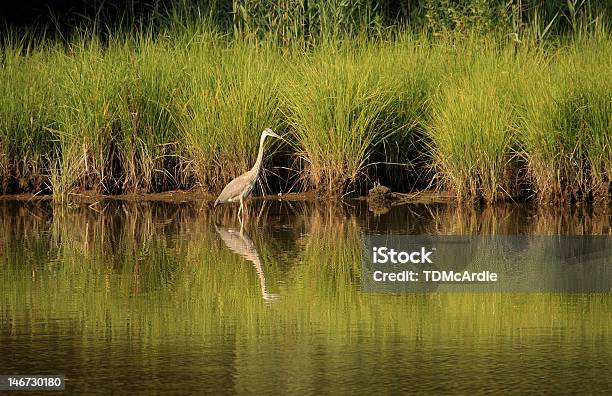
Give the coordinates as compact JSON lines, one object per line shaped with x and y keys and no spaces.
{"x":242,"y":186}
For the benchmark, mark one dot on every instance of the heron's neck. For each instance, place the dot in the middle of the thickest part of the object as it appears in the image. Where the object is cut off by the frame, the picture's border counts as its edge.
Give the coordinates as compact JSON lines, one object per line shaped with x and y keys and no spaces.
{"x":257,"y":167}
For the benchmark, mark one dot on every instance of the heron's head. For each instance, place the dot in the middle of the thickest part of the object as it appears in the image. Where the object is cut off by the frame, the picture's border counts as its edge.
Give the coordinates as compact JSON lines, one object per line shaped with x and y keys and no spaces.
{"x":270,"y":132}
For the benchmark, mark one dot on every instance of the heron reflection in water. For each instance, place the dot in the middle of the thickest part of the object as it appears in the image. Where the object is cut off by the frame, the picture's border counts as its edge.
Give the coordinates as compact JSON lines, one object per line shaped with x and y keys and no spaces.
{"x":240,"y":243}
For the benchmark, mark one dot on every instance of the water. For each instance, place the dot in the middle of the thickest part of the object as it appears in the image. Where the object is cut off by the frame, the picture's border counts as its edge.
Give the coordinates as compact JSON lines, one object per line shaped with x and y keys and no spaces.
{"x":157,"y":298}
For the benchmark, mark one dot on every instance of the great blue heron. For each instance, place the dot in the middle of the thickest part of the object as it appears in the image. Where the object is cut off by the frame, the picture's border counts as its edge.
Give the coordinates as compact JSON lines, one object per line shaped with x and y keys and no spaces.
{"x":241,"y":187}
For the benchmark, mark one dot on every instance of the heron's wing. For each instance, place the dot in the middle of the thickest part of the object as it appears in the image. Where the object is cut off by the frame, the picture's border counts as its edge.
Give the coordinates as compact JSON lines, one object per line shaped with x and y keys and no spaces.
{"x":236,"y":187}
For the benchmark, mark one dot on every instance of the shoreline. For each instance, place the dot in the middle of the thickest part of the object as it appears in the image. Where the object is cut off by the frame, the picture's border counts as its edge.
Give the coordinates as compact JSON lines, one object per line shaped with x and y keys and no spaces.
{"x":180,"y":196}
{"x":377,"y":204}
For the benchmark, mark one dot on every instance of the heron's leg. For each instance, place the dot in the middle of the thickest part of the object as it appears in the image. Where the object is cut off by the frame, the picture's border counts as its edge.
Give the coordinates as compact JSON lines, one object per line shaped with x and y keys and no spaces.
{"x":263,"y":207}
{"x":241,"y":211}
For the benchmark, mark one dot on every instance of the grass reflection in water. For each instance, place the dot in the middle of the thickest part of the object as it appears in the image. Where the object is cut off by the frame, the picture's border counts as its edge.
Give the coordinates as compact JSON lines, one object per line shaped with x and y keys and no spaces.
{"x":175,"y":290}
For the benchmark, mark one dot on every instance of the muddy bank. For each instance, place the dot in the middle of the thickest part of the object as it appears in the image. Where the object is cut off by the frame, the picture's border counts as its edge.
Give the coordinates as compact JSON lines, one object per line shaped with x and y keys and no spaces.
{"x":377,"y":203}
{"x":177,"y":196}
{"x":379,"y":199}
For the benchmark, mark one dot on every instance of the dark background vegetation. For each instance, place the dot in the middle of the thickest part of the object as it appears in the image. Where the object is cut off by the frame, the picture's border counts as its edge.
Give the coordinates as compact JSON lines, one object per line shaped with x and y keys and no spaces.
{"x":305,"y":18}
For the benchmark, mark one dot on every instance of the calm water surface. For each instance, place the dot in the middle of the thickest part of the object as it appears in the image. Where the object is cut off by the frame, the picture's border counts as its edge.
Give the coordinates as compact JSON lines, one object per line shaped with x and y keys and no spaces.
{"x":171,"y":298}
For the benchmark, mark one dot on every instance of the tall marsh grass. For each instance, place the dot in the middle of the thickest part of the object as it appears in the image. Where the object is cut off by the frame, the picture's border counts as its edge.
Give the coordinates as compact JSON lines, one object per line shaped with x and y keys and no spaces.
{"x":27,"y":101}
{"x":90,"y":90}
{"x":568,"y":123}
{"x":489,"y":119}
{"x":473,"y":130}
{"x":232,"y":97}
{"x":347,"y":103}
{"x":151,"y":157}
